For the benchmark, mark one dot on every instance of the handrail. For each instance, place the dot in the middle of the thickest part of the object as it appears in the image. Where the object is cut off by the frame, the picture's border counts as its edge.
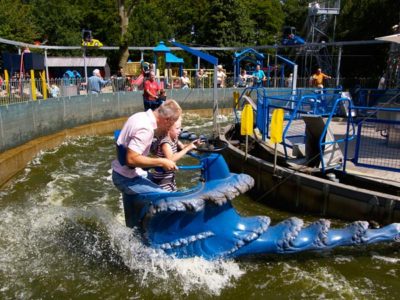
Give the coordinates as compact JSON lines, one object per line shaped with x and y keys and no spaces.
{"x":292,"y":116}
{"x":346,"y":139}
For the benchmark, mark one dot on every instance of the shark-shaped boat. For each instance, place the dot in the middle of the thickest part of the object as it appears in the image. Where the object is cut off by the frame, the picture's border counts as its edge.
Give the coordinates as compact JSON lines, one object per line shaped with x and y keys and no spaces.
{"x":202,"y":221}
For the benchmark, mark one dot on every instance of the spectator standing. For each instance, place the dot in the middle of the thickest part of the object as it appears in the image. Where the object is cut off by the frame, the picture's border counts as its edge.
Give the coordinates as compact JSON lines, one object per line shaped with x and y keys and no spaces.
{"x":382,"y":82}
{"x":200,"y":78}
{"x":242,"y":80}
{"x":185,"y":80}
{"x":150,"y":94}
{"x":54,"y":91}
{"x":221,"y":76}
{"x":96,"y":82}
{"x":119,"y":80}
{"x":289,"y":81}
{"x":318,"y":79}
{"x":259,"y":76}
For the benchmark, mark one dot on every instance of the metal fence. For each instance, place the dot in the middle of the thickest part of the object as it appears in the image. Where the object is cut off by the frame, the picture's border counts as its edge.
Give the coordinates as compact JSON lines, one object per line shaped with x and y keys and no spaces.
{"x":378,"y":138}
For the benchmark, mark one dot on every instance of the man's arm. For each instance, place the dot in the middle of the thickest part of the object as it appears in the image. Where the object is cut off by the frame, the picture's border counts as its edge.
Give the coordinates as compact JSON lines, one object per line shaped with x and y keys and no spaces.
{"x":326,"y":76}
{"x":134,"y":159}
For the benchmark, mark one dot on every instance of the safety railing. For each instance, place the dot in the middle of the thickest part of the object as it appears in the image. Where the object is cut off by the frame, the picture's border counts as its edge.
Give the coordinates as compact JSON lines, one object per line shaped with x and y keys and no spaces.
{"x":375,"y":97}
{"x":378,"y":138}
{"x":349,"y":134}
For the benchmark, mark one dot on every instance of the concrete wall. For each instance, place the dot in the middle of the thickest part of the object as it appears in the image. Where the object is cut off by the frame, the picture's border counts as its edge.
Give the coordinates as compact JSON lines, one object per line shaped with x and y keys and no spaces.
{"x":27,"y":128}
{"x":20,"y":123}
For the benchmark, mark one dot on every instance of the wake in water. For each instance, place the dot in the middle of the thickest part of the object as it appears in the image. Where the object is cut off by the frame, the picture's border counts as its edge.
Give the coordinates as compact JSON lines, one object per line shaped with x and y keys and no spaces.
{"x":90,"y":247}
{"x":54,"y":244}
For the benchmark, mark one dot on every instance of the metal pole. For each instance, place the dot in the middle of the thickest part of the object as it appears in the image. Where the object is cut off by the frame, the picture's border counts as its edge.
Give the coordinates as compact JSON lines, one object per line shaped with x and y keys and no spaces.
{"x":85,"y":65}
{"x":47,"y":67}
{"x":215,"y":98}
{"x":141,"y":55}
{"x":338,"y":67}
{"x":276,"y":65}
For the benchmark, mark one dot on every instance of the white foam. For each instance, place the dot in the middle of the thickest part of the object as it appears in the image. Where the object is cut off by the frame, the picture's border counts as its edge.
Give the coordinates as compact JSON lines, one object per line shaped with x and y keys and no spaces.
{"x":386,"y":259}
{"x":158,"y":269}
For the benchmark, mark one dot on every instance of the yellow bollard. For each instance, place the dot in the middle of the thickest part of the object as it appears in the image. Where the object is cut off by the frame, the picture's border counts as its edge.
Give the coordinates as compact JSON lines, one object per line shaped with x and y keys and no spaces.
{"x":7,"y":81}
{"x":247,"y":125}
{"x":236,"y":99}
{"x":33,"y":85}
{"x":44,"y":85}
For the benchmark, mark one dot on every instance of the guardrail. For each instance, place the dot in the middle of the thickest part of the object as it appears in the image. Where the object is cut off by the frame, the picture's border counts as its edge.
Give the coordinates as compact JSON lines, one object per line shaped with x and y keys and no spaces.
{"x":373,"y":131}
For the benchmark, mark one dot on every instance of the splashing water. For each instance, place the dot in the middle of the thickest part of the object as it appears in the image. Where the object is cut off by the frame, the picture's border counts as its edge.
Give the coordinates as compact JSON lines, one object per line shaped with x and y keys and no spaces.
{"x":62,"y":235}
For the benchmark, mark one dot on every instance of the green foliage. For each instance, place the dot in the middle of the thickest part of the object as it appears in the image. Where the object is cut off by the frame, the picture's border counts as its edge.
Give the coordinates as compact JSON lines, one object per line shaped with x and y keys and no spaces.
{"x":16,"y":21}
{"x":295,"y":12}
{"x":196,"y":22}
{"x":269,"y":18}
{"x":227,"y":23}
{"x":59,"y":21}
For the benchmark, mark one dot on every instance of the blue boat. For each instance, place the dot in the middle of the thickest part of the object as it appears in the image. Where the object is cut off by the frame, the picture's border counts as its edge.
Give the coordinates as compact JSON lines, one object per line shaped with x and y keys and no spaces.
{"x":202,"y":221}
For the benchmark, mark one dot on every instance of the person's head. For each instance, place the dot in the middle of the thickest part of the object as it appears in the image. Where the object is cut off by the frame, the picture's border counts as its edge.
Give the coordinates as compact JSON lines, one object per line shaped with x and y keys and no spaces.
{"x":243,"y":72}
{"x":185,"y":73}
{"x":96,"y":72}
{"x":167,"y":114}
{"x":152,"y":76}
{"x":319,"y":70}
{"x":201,"y":71}
{"x":162,"y":92}
{"x":219,"y":68}
{"x":176,"y":129}
{"x":258,"y":67}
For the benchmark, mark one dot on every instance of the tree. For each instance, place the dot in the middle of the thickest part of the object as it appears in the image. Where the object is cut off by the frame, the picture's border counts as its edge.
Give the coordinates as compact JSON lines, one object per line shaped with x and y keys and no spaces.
{"x":227,"y":23}
{"x":269,"y":19}
{"x":16,"y":21}
{"x":125,"y":10}
{"x":58,"y":28}
{"x":365,"y":20}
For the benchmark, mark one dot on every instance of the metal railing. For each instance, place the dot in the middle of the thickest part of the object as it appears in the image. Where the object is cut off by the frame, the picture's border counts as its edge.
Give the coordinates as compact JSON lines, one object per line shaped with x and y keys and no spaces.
{"x":374,"y":144}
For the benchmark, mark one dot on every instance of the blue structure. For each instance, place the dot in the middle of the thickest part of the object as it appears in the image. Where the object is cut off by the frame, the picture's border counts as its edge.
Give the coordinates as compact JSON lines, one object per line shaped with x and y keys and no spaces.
{"x":247,"y":55}
{"x":162,"y":50}
{"x":202,"y":221}
{"x":290,"y":37}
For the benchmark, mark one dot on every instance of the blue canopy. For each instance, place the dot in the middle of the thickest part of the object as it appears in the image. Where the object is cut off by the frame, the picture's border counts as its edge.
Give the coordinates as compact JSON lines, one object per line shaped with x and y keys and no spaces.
{"x":172,"y":59}
{"x":161,"y":48}
{"x":258,"y":55}
{"x":204,"y":56}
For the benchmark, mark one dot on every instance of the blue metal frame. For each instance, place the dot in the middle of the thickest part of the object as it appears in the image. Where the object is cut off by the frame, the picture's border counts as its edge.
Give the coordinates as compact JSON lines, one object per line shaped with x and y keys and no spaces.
{"x":345,"y":140}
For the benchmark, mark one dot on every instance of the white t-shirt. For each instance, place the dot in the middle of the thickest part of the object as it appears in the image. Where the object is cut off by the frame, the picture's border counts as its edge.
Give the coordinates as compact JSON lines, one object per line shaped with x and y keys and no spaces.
{"x":136,"y":134}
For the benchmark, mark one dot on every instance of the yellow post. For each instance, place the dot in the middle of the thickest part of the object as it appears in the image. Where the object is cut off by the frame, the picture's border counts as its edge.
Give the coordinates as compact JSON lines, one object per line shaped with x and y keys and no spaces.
{"x":33,"y":85}
{"x":246,"y":124}
{"x":44,"y":85}
{"x":236,"y":99}
{"x":7,"y":81}
{"x":276,"y":130}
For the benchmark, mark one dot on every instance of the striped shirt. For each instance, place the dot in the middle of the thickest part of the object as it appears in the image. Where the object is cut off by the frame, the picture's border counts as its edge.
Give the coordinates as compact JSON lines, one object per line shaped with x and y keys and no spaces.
{"x":165,"y":179}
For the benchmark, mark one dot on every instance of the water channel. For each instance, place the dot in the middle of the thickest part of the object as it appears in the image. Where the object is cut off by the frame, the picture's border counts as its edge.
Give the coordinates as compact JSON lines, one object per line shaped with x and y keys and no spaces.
{"x":62,"y":236}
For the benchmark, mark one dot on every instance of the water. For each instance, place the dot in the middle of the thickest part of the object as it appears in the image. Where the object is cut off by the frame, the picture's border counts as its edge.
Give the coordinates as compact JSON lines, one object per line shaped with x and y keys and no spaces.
{"x":62,"y":236}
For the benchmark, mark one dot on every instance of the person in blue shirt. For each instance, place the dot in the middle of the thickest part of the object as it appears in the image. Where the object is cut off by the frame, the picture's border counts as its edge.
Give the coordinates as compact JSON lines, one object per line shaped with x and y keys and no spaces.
{"x":95,"y":82}
{"x":259,"y":76}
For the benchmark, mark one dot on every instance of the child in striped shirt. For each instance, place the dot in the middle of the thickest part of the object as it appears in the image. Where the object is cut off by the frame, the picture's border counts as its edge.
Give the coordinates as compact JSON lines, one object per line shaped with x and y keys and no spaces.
{"x":170,"y":147}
